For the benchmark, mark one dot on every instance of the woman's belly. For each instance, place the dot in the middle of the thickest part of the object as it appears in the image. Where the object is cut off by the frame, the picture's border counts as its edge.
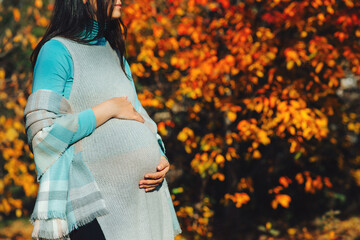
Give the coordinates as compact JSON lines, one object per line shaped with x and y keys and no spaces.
{"x":121,"y":151}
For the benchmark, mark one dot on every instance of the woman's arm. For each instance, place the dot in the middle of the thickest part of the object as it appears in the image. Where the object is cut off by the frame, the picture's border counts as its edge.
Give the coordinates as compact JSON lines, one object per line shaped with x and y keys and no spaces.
{"x":54,"y":71}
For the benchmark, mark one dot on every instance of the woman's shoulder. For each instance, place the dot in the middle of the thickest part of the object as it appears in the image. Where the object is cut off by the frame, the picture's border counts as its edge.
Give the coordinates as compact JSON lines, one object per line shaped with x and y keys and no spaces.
{"x":54,"y":47}
{"x":54,"y":52}
{"x":53,"y":65}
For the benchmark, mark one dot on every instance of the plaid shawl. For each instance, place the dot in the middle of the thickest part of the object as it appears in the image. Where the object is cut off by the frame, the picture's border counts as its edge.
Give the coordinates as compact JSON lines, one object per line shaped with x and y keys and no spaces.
{"x":68,"y":195}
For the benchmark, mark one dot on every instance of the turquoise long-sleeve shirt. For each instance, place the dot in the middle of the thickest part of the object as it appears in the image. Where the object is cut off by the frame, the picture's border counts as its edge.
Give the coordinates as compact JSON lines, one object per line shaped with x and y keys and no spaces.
{"x":54,"y":70}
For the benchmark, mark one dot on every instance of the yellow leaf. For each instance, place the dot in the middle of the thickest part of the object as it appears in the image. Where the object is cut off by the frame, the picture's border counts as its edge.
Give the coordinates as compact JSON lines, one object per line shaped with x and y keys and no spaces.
{"x":232,"y":116}
{"x":290,"y":65}
{"x":271,"y":55}
{"x":11,"y":134}
{"x":38,"y":3}
{"x":268,"y":225}
{"x":256,"y":154}
{"x":43,"y":22}
{"x":182,"y":136}
{"x":240,"y":199}
{"x":299,"y":178}
{"x":303,"y":34}
{"x":2,"y":186}
{"x":285,"y":181}
{"x":259,"y":107}
{"x":18,"y":213}
{"x":229,"y":140}
{"x":291,"y":130}
{"x":259,"y":73}
{"x":197,"y":108}
{"x":219,"y":159}
{"x":319,"y":67}
{"x":189,"y":211}
{"x":356,"y":176}
{"x":6,"y":208}
{"x":2,"y":74}
{"x":274,"y":204}
{"x":206,"y":147}
{"x":228,"y":156}
{"x":283,"y":200}
{"x":16,"y":14}
{"x":163,"y":131}
{"x":170,"y":103}
{"x":230,"y":59}
{"x":188,"y":131}
{"x":263,"y":137}
{"x":330,"y":9}
{"x":155,"y":102}
{"x":291,"y":231}
{"x":219,"y":176}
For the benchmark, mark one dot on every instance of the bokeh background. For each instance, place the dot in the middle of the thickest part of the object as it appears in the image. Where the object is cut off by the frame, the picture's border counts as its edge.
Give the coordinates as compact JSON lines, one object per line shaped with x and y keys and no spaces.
{"x":257,"y":102}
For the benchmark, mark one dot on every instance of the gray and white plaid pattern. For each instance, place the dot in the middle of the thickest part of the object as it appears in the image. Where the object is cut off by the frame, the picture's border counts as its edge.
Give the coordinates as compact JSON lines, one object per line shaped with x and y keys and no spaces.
{"x":68,"y":195}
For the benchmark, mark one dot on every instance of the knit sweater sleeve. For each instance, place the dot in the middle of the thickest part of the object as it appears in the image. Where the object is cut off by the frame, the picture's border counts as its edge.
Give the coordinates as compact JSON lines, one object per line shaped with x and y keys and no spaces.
{"x":139,"y":108}
{"x":54,"y":71}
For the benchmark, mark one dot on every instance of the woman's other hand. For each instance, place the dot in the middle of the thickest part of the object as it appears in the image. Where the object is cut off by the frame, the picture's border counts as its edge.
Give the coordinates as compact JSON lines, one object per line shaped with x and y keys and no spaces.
{"x":122,"y":108}
{"x":118,"y":107}
{"x":151,"y":180}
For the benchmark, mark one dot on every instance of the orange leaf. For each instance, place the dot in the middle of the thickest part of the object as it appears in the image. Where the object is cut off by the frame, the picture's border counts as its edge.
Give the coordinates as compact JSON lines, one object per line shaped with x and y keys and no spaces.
{"x":16,"y":14}
{"x":319,"y":67}
{"x":283,"y":200}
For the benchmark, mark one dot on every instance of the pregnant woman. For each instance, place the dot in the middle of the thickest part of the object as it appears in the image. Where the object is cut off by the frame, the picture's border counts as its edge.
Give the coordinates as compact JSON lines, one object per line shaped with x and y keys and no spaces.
{"x":100,"y":162}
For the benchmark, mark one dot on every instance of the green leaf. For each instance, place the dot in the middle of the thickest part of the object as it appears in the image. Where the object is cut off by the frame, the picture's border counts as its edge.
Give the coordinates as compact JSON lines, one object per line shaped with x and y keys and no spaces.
{"x":297,"y":155}
{"x":262,"y":228}
{"x":274,"y":232}
{"x":177,"y":190}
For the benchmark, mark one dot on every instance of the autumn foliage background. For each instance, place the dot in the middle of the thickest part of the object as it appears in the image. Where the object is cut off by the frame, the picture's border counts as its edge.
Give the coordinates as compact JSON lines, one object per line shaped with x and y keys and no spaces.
{"x":257,"y":102}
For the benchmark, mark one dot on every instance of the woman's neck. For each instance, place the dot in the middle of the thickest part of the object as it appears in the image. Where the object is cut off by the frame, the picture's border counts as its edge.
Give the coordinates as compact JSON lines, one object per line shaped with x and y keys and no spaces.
{"x":93,"y":28}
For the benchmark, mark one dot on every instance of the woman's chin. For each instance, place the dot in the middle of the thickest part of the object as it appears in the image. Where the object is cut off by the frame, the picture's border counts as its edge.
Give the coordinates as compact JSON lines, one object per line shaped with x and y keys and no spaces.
{"x":116,"y":15}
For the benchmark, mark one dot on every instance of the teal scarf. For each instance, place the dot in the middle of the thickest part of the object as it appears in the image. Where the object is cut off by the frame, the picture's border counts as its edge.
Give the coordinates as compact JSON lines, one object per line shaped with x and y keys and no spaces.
{"x":68,"y":195}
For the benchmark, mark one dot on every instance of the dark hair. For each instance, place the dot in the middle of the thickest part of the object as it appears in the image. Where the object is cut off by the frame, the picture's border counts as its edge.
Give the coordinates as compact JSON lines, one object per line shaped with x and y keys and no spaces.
{"x":70,"y":18}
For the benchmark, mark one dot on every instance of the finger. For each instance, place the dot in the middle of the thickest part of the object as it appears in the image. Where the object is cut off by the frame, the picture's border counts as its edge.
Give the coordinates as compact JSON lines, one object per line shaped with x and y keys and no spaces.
{"x":164,"y":159}
{"x":154,"y":175}
{"x":136,"y":116}
{"x":163,"y":169}
{"x":163,"y":164}
{"x":149,"y":182}
{"x":140,"y":118}
{"x":149,"y":189}
{"x":151,"y":185}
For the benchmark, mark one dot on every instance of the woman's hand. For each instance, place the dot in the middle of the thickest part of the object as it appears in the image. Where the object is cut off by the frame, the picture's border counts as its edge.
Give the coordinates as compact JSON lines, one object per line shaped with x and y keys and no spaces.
{"x":122,"y":108}
{"x":151,"y":180}
{"x":118,"y":107}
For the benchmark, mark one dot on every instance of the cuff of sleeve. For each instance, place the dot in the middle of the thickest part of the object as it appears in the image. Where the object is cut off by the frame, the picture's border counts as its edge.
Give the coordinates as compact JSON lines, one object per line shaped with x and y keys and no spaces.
{"x":161,"y":143}
{"x":88,"y":116}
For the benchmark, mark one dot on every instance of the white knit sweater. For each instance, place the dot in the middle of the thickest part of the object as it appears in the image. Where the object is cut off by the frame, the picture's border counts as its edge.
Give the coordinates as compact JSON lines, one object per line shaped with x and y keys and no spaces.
{"x":120,"y":152}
